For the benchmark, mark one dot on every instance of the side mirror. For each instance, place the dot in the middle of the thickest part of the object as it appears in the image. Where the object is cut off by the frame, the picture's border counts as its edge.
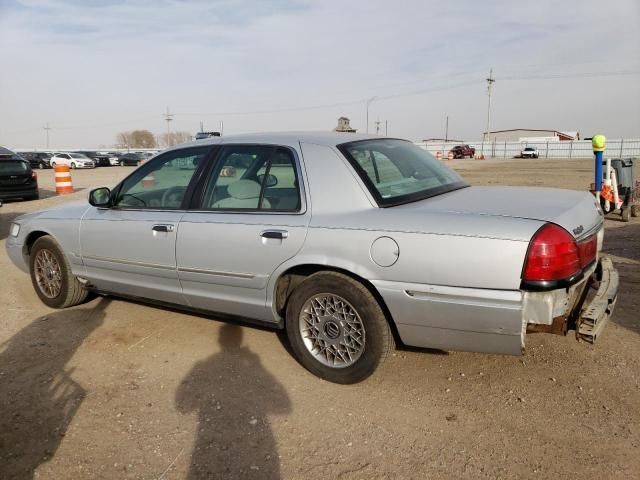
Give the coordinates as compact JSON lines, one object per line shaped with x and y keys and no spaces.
{"x":100,"y":197}
{"x":272,"y":180}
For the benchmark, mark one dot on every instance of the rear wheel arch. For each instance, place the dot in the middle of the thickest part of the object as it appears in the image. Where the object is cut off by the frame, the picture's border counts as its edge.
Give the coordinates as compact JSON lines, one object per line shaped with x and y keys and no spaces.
{"x":293,"y":276}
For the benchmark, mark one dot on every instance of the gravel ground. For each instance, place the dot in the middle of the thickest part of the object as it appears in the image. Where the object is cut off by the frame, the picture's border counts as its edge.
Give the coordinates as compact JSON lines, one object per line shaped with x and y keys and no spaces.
{"x":115,"y":389}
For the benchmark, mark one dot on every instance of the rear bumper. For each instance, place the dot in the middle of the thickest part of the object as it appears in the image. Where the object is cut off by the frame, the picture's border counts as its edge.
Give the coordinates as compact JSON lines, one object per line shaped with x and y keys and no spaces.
{"x":595,"y":314}
{"x":7,"y":193}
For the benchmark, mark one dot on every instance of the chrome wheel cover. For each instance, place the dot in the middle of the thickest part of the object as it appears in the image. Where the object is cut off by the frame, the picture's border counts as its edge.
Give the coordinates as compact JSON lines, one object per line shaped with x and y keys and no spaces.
{"x":332,"y":330}
{"x":48,"y":273}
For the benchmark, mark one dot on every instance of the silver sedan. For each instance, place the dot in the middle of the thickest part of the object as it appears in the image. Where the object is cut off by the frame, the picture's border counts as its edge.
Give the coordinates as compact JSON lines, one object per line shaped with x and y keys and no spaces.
{"x":350,"y":243}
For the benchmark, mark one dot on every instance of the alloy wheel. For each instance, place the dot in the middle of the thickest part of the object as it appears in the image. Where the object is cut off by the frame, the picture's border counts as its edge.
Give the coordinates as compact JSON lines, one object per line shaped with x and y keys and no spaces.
{"x":332,"y":330}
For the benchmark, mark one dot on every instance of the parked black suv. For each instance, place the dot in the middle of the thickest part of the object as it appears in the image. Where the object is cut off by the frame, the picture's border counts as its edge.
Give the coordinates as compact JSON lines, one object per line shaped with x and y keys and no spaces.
{"x":17,"y":178}
{"x":37,"y":159}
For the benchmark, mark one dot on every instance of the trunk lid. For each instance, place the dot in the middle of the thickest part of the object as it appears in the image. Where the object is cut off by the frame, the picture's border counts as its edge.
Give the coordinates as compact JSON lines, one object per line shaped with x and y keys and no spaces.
{"x":575,"y":211}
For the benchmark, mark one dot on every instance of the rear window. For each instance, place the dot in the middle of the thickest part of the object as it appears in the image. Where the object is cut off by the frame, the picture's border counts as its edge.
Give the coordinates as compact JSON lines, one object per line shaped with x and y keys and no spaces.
{"x":13,"y":167}
{"x":397,"y":171}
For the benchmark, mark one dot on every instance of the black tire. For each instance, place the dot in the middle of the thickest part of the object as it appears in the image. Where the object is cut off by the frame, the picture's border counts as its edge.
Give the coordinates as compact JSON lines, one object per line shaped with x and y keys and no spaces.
{"x":73,"y":165}
{"x":41,"y":166}
{"x":122,"y":163}
{"x":71,"y":291}
{"x":378,"y":339}
{"x":34,"y":197}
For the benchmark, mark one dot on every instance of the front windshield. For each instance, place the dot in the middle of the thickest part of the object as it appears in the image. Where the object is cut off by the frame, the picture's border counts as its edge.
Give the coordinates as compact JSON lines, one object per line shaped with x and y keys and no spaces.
{"x":79,"y":155}
{"x":397,"y":171}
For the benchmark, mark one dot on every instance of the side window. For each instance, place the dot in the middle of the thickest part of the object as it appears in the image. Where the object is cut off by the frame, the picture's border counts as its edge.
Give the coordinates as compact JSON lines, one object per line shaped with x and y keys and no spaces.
{"x":253,"y":177}
{"x":161,"y":183}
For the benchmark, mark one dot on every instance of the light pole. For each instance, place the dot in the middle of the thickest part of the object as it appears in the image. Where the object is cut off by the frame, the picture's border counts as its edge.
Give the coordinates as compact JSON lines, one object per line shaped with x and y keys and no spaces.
{"x":368,"y":103}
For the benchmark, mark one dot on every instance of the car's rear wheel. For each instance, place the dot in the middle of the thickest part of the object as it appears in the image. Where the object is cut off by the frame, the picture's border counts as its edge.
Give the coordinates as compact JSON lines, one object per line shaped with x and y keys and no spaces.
{"x":51,"y":275}
{"x":53,"y":164}
{"x":336,"y":328}
{"x":122,"y":163}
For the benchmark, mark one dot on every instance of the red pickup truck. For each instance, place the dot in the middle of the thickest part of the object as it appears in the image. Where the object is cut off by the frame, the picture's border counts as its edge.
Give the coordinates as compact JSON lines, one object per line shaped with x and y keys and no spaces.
{"x":461,"y":151}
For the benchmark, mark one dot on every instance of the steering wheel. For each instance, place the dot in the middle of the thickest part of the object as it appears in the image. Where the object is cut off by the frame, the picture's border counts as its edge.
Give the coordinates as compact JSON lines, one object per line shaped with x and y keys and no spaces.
{"x":172,"y":197}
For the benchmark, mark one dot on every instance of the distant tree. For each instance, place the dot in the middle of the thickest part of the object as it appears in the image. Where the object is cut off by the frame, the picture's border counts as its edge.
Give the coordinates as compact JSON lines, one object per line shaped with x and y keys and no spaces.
{"x":123,"y":139}
{"x":142,"y":139}
{"x":175,"y":138}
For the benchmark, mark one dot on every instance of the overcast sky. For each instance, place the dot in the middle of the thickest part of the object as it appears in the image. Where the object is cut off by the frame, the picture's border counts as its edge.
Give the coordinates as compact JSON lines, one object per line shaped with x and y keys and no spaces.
{"x":92,"y":69}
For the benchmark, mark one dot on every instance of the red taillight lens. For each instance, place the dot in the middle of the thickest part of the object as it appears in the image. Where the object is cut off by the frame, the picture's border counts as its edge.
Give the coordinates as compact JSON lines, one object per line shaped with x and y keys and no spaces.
{"x":34,"y":175}
{"x":553,"y":255}
{"x":587,"y":250}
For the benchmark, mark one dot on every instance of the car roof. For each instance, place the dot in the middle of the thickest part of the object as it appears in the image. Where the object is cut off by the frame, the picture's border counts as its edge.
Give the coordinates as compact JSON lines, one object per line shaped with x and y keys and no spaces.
{"x":284,"y":138}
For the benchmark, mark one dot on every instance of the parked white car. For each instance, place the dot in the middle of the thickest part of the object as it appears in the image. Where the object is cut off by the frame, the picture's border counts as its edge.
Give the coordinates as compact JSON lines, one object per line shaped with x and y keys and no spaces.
{"x":73,"y":160}
{"x":529,"y":152}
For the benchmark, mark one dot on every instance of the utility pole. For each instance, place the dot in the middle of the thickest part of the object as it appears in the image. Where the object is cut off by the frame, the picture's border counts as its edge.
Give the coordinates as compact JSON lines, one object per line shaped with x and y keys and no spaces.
{"x":201,"y":126}
{"x":168,"y":117}
{"x":221,"y":127}
{"x":386,"y":128}
{"x":47,"y":128}
{"x":446,"y":131}
{"x":378,"y":127}
{"x":368,"y":103}
{"x":490,"y":82}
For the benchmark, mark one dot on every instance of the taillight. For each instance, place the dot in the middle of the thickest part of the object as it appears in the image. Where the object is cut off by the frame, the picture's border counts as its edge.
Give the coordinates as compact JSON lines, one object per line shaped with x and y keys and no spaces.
{"x":34,"y":175}
{"x":587,"y":250}
{"x":553,"y":255}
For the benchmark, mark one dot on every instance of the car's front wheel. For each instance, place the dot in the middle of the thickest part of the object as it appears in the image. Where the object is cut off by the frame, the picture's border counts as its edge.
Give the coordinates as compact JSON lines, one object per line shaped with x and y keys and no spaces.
{"x":337,"y":328}
{"x":51,"y":275}
{"x":73,"y":165}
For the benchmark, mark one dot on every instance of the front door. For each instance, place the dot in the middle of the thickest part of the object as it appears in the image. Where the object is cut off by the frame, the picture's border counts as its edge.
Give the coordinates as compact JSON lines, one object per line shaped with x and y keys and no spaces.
{"x":130,"y":248}
{"x":251,"y":217}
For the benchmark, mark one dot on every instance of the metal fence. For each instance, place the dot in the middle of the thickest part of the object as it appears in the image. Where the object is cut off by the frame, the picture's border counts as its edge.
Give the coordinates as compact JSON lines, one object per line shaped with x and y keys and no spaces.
{"x":622,"y":148}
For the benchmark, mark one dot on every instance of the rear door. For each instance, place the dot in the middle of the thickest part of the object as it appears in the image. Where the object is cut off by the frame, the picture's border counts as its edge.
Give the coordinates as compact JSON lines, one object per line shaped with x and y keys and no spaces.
{"x":250,"y":217}
{"x":130,"y":248}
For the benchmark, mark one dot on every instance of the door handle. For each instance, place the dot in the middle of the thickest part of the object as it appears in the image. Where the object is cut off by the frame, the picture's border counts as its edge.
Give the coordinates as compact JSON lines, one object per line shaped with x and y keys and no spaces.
{"x":277,"y":234}
{"x":163,"y":228}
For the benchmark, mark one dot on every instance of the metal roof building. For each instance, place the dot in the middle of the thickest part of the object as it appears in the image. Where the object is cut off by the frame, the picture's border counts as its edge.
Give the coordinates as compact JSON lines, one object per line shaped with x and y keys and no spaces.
{"x":531,"y":134}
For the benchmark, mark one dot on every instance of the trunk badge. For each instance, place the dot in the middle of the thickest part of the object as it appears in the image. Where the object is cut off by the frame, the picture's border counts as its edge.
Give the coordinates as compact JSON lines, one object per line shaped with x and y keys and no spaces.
{"x":578,"y":230}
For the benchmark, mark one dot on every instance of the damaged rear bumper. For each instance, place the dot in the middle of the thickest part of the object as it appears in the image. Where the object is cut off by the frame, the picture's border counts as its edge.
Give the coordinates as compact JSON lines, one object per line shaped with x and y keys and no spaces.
{"x":577,"y":307}
{"x":594,"y":316}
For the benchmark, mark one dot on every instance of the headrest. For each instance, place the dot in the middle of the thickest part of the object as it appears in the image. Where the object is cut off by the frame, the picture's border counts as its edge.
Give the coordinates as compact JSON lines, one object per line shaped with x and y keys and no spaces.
{"x":243,"y":189}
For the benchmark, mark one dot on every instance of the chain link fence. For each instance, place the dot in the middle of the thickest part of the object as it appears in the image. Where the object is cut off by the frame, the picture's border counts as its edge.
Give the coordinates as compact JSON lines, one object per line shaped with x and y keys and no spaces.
{"x":622,"y":148}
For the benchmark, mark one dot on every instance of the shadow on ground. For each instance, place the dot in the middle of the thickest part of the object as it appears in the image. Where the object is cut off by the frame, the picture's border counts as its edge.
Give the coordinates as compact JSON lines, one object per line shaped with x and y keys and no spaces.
{"x":5,"y":222}
{"x":233,"y":395}
{"x":38,"y":396}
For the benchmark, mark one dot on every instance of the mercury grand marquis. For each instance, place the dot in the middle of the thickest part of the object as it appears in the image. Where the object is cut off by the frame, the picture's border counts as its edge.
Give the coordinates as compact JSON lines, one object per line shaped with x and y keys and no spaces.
{"x":350,"y":243}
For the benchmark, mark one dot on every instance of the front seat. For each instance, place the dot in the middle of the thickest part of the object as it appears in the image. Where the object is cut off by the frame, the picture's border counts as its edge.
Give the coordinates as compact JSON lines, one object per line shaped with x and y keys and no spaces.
{"x":243,"y":194}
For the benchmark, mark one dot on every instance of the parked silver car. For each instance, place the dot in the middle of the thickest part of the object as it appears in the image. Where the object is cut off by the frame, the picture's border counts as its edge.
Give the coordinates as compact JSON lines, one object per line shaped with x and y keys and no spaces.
{"x":349,"y":242}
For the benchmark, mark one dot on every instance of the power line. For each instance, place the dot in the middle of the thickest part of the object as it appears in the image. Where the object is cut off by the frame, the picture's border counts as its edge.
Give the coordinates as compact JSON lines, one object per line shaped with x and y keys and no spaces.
{"x":570,"y":75}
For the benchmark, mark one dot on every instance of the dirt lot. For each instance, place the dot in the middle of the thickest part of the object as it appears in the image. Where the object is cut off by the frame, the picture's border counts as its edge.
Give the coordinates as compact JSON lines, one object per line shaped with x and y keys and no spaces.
{"x":114,"y":389}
